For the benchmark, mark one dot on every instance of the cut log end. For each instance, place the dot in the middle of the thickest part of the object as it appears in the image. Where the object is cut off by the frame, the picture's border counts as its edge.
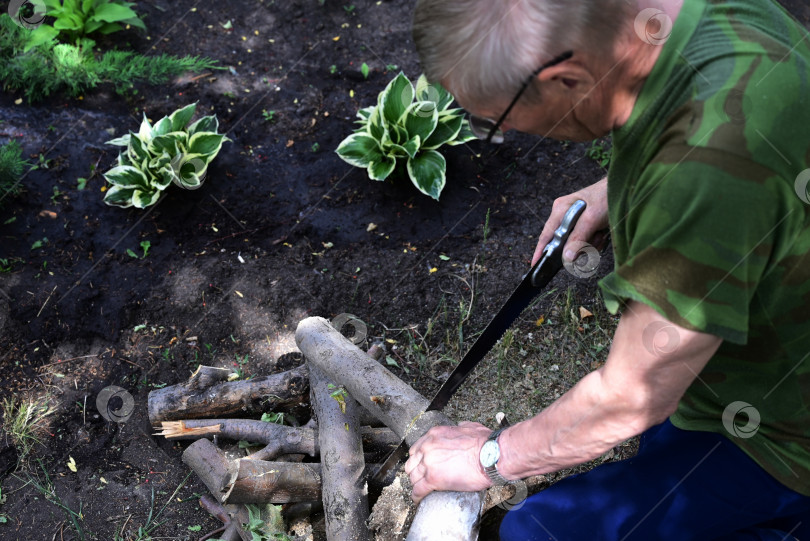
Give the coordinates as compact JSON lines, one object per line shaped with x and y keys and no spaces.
{"x":178,"y":429}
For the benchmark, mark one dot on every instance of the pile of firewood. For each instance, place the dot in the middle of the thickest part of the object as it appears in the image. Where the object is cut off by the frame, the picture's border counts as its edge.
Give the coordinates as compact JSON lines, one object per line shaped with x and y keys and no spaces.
{"x":352,"y":396}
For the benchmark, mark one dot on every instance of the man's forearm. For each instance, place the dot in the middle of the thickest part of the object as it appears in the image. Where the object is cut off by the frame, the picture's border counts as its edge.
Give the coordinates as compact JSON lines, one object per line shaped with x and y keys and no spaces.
{"x":583,"y":424}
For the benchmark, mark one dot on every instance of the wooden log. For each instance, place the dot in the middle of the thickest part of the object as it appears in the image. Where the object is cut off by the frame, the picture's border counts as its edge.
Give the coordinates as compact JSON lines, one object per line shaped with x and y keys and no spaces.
{"x":278,"y":439}
{"x":345,"y":496}
{"x":206,"y":395}
{"x":211,"y":466}
{"x":441,"y":515}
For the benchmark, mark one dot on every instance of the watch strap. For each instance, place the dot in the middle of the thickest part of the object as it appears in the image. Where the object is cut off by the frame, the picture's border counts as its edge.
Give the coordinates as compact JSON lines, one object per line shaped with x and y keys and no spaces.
{"x":492,"y":471}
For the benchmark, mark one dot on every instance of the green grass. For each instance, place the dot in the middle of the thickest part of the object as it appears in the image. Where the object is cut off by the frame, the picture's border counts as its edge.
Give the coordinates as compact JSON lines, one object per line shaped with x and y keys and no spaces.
{"x":48,"y":491}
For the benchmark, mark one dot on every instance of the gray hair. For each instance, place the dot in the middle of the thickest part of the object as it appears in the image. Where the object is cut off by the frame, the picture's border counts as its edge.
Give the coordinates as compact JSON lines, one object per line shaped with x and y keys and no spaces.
{"x":485,"y":49}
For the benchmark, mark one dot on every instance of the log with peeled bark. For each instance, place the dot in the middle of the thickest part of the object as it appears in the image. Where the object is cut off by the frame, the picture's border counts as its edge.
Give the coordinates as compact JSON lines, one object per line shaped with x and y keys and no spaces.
{"x":441,"y":515}
{"x":345,"y":496}
{"x":205,"y":394}
{"x":278,"y":439}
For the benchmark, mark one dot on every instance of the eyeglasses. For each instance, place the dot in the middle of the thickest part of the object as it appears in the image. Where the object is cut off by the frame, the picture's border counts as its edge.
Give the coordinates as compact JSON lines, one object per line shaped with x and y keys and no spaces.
{"x":490,"y":131}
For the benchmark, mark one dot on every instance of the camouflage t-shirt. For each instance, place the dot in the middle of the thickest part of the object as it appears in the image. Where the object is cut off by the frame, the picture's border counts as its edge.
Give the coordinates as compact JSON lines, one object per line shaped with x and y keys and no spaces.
{"x":710,"y":220}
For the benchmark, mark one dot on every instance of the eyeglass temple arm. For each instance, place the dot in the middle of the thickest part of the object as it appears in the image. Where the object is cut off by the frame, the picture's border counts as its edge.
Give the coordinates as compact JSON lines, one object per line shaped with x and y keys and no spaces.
{"x":557,"y":60}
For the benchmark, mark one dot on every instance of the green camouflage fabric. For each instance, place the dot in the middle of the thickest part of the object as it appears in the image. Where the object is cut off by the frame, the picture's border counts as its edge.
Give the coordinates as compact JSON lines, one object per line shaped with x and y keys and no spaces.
{"x":710,"y":220}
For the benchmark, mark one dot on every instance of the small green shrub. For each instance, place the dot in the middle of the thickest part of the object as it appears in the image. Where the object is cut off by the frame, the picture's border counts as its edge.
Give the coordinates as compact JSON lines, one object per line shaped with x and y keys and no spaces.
{"x":404,"y":130}
{"x":163,"y":154}
{"x":76,"y":19}
{"x":12,"y":168}
{"x":50,"y":67}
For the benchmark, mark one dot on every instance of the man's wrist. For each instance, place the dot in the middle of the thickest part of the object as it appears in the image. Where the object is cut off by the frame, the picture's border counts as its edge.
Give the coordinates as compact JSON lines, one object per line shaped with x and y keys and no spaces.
{"x":507,"y":447}
{"x":489,"y":458}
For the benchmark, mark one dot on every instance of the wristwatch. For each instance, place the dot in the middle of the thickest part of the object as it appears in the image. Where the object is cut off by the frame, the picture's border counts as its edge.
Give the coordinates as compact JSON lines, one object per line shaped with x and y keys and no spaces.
{"x":490,"y":454}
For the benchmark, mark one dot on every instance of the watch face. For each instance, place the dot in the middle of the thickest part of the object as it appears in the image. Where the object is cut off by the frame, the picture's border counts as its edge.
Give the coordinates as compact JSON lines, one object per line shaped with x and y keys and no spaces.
{"x":490,"y":453}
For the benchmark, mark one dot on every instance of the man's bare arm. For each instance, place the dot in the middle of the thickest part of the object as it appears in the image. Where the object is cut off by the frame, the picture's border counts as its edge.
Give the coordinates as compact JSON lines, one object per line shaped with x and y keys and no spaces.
{"x":638,"y":387}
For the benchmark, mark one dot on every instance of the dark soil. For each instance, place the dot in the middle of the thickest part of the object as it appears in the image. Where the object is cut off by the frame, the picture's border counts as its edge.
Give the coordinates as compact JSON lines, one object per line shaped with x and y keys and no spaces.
{"x":279,"y":232}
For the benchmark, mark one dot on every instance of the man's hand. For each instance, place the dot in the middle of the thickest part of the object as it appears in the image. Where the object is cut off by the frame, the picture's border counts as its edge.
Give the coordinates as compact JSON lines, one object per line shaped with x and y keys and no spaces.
{"x":590,"y":227}
{"x":447,"y":458}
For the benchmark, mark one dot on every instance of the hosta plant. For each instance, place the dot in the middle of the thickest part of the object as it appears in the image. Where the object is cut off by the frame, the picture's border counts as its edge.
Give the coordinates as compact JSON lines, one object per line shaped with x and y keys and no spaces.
{"x":75,"y":19}
{"x":404,"y":131}
{"x":159,"y":155}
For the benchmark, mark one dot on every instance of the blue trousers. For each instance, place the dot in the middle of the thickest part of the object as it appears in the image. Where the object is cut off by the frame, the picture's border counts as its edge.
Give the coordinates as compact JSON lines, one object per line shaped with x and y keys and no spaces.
{"x":682,"y":485}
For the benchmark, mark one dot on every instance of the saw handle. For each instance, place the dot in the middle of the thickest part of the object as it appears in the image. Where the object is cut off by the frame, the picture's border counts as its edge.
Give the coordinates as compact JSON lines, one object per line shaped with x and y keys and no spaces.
{"x":552,"y":253}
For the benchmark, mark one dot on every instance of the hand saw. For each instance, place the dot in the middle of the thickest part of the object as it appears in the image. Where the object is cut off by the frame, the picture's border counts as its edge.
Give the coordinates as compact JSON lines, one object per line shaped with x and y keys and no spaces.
{"x":531,"y":285}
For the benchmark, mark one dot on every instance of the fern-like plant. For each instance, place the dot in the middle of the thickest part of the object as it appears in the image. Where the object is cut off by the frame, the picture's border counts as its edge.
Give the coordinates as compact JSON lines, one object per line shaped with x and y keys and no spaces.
{"x":12,"y":168}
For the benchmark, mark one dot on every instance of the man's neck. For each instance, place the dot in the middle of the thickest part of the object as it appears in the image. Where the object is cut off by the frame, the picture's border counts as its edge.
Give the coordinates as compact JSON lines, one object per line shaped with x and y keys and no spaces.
{"x":637,"y":52}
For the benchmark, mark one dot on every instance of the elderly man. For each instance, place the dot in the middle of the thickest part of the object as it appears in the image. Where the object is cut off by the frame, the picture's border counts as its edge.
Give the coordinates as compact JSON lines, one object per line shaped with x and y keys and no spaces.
{"x":708,"y":103}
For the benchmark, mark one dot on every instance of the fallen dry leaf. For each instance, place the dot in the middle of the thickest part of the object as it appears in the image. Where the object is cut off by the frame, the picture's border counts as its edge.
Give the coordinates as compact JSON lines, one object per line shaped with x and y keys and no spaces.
{"x":584,"y":313}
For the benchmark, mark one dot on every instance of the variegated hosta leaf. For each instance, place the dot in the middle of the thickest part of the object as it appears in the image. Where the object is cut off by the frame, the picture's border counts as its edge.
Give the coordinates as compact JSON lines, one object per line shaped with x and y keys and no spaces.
{"x":205,"y":124}
{"x":164,"y":176}
{"x":360,"y":150}
{"x":409,"y":149}
{"x":127,"y":176}
{"x":120,"y":141}
{"x":136,"y":151}
{"x":123,"y":158}
{"x":420,"y":119}
{"x":376,"y":126}
{"x":181,"y":117}
{"x":447,"y":129}
{"x":119,"y":196}
{"x":145,"y":131}
{"x":144,"y":198}
{"x":396,"y":98}
{"x":464,"y":135}
{"x":169,"y":142}
{"x":380,"y":170}
{"x":206,"y":143}
{"x":162,"y":127}
{"x":156,"y":164}
{"x":427,"y":172}
{"x":365,"y":113}
{"x":436,"y":93}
